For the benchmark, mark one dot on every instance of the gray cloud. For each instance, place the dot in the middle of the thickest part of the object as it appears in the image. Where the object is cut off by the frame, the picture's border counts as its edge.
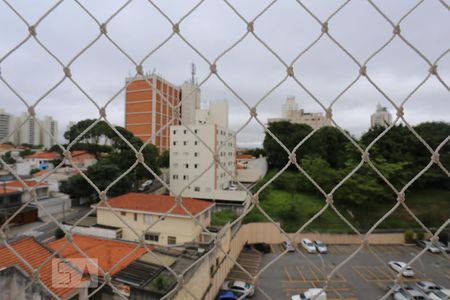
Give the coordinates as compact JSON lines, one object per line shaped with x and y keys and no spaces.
{"x":250,"y":69}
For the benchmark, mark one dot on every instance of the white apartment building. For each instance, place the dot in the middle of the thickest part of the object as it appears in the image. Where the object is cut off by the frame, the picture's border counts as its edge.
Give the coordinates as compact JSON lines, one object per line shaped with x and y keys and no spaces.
{"x":49,"y":126}
{"x":381,"y":117}
{"x":30,"y":132}
{"x":7,"y":126}
{"x":293,"y":114}
{"x":190,"y":156}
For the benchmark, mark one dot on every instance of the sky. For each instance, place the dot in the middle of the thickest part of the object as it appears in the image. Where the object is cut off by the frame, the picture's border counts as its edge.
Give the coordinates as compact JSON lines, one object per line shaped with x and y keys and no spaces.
{"x":250,"y":69}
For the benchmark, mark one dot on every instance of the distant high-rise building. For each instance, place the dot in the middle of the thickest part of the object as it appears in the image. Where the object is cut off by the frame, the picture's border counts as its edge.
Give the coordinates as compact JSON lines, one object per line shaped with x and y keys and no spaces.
{"x":150,"y":109}
{"x":7,"y":125}
{"x":381,"y":117}
{"x":30,"y":132}
{"x":293,"y":114}
{"x":49,"y":126}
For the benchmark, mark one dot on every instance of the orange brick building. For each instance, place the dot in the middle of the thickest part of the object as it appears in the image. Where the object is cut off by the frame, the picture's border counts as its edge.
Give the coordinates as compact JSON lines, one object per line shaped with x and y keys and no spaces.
{"x":147,"y":110}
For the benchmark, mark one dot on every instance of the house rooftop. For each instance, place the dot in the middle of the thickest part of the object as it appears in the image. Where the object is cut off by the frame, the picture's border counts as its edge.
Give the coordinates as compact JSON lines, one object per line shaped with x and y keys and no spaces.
{"x":28,"y":183}
{"x":159,"y":204}
{"x":44,"y":155}
{"x":35,"y":254}
{"x":107,"y":252}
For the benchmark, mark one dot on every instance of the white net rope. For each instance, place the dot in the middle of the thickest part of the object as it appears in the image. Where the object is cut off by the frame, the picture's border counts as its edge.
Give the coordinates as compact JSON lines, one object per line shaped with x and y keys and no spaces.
{"x":214,"y":71}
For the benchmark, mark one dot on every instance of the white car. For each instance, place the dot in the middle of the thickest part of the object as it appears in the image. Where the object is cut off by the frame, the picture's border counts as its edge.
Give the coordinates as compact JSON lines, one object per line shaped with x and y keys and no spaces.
{"x":239,"y":287}
{"x":319,"y":294}
{"x":320,"y":246}
{"x":398,"y":265}
{"x":288,"y":246}
{"x":442,"y":294}
{"x":232,"y":188}
{"x":308,"y":246}
{"x":409,"y":295}
{"x":428,"y":286}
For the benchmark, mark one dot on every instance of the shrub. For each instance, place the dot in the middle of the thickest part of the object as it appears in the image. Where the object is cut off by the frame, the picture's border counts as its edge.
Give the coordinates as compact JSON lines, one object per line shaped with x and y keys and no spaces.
{"x":409,"y":236}
{"x":59,"y":234}
{"x":420,"y":235}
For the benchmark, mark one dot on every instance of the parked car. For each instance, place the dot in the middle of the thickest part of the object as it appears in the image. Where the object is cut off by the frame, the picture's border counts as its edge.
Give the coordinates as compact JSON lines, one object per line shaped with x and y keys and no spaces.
{"x":413,"y":294}
{"x":227,"y":295}
{"x":308,"y":246}
{"x":145,"y":185}
{"x":397,"y":287}
{"x":319,"y":294}
{"x":239,"y":287}
{"x":442,"y":294}
{"x":262,"y":247}
{"x":398,"y":265}
{"x":428,"y":286}
{"x":233,"y":187}
{"x":320,"y":246}
{"x":288,"y":246}
{"x":424,"y":244}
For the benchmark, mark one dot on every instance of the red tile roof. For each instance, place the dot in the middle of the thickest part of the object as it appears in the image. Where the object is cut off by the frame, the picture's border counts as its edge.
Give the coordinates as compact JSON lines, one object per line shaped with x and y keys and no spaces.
{"x":44,"y":155}
{"x":245,"y":156}
{"x":37,"y":174}
{"x":29,"y":183}
{"x":7,"y":190}
{"x":35,"y":254}
{"x":107,"y":252}
{"x":157,"y":203}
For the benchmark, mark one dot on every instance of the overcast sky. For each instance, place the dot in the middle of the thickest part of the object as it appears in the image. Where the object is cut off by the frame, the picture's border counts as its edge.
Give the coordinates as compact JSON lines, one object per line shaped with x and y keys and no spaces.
{"x":250,"y":69}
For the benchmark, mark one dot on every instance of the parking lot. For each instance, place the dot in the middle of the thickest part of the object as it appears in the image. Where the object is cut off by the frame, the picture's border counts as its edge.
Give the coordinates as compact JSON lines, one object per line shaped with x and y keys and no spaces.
{"x":363,"y":277}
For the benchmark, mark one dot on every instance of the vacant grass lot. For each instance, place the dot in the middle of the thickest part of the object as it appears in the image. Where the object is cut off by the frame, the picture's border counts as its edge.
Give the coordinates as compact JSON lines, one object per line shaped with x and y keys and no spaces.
{"x":292,"y":211}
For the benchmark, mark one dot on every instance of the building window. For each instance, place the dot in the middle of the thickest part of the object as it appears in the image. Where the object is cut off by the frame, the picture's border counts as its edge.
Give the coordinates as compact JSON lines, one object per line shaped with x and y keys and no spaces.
{"x":175,"y":176}
{"x":174,"y":143}
{"x":195,"y":130}
{"x":186,"y":177}
{"x":135,"y":217}
{"x":153,"y":237}
{"x":119,"y":234}
{"x":186,"y":166}
{"x":147,"y":219}
{"x":185,"y":131}
{"x":174,"y":131}
{"x":171,"y":240}
{"x":122,"y":213}
{"x":197,"y":189}
{"x":185,"y":143}
{"x":196,"y":154}
{"x":195,"y":143}
{"x":195,"y":166}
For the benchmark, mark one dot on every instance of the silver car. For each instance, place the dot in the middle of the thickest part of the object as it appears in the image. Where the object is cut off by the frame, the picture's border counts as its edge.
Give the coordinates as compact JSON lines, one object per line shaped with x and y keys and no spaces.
{"x":403,"y":294}
{"x":320,"y":246}
{"x":288,"y":246}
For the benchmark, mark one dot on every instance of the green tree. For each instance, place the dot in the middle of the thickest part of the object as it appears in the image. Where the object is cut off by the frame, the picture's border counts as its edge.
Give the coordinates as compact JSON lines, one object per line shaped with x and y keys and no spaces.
{"x":331,"y":145}
{"x":108,"y":168}
{"x":8,"y":158}
{"x":290,"y":135}
{"x":164,"y":159}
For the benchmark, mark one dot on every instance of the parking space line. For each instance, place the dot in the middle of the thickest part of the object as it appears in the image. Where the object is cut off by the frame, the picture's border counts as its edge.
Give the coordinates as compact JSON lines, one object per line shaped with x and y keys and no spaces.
{"x":388,"y":276}
{"x":288,"y":274}
{"x":313,"y":273}
{"x":300,"y":273}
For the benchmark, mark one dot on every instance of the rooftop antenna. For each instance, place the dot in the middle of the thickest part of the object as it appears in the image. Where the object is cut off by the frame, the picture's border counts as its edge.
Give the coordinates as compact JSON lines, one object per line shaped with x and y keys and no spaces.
{"x":193,"y":68}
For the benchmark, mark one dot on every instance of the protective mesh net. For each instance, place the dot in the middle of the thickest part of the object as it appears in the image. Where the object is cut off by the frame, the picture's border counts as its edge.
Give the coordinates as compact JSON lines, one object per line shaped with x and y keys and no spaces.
{"x":251,"y":30}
